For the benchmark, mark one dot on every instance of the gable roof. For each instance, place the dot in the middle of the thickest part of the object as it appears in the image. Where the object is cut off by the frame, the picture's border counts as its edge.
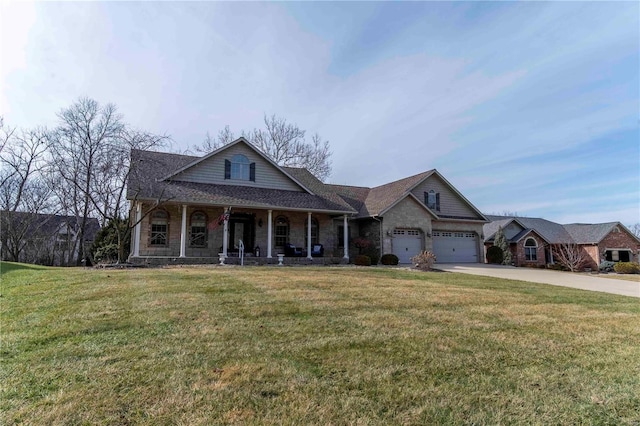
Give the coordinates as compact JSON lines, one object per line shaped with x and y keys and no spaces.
{"x":526,"y":232}
{"x":490,"y":229}
{"x":593,"y":233}
{"x":44,"y":224}
{"x":154,"y":177}
{"x":240,"y":140}
{"x":383,"y":197}
{"x":554,"y":233}
{"x":146,"y":183}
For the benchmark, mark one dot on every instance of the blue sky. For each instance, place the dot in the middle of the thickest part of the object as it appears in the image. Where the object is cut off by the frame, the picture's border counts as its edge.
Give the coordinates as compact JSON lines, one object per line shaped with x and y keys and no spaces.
{"x":525,"y":107}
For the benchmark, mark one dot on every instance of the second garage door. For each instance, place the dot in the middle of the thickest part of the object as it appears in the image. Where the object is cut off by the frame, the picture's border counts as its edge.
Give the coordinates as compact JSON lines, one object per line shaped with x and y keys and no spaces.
{"x":406,"y":244}
{"x":455,"y":247}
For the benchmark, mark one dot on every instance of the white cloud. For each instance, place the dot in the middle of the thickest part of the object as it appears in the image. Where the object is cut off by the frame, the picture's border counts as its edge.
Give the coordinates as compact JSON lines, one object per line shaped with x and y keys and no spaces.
{"x":16,"y":23}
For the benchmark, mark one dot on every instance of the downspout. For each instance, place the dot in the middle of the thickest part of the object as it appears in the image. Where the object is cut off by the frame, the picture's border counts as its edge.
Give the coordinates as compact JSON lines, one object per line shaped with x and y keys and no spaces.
{"x":380,"y":226}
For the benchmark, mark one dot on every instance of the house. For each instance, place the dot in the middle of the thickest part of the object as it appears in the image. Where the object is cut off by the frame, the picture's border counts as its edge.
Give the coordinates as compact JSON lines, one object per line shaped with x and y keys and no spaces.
{"x":533,"y":241}
{"x":189,"y":209}
{"x":46,"y":239}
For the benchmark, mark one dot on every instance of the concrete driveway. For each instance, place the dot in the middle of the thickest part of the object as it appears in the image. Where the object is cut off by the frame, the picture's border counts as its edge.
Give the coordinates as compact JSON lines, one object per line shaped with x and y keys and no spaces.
{"x":545,"y":276}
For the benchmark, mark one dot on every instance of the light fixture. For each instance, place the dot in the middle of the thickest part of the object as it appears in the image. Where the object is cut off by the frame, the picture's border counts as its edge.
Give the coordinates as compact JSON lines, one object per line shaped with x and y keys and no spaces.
{"x":260,"y":222}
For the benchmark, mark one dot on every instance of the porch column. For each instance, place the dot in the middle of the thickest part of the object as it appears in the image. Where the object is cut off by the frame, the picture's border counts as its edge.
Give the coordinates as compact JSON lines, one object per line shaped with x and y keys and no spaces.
{"x":269,"y":232}
{"x":183,"y":232}
{"x":136,"y":232}
{"x":225,"y":234}
{"x":309,"y":236}
{"x":345,"y":238}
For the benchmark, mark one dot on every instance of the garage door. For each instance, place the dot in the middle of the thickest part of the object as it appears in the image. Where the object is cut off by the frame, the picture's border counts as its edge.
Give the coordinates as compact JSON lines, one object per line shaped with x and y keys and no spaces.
{"x":455,"y":247}
{"x":406,"y":244}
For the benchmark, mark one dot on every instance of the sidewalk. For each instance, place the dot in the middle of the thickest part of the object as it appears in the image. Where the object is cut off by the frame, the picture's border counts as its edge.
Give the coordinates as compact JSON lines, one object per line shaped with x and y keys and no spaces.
{"x":545,"y":276}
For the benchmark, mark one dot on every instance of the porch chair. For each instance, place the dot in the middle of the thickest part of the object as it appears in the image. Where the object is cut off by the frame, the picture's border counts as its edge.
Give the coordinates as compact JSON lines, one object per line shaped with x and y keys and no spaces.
{"x":291,"y":251}
{"x":317,"y":250}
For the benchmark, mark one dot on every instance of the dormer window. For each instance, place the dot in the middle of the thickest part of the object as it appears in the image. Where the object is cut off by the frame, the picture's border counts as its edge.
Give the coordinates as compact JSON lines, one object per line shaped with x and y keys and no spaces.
{"x":239,"y":168}
{"x":432,"y":200}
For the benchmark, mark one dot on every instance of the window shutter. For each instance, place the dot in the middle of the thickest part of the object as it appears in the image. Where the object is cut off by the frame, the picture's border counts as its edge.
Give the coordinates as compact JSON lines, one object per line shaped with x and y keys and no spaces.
{"x":252,"y":172}
{"x":227,"y":169}
{"x":426,"y":198}
{"x":438,"y":201}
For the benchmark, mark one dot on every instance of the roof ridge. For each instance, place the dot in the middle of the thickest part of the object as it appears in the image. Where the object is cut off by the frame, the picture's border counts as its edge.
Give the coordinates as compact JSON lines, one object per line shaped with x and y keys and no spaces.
{"x":405,"y":178}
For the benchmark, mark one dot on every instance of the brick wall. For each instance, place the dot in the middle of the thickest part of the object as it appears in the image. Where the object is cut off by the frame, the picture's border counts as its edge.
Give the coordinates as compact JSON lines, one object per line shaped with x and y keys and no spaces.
{"x":593,"y":257}
{"x":520,"y":258}
{"x":618,"y":240}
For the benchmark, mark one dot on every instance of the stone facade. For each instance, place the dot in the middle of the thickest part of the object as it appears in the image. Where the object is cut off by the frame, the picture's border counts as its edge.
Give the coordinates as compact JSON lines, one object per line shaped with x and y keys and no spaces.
{"x":408,"y":214}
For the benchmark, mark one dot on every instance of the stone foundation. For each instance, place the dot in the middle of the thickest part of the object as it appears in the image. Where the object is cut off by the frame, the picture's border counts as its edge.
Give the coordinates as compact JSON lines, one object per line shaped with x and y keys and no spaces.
{"x":248,"y":261}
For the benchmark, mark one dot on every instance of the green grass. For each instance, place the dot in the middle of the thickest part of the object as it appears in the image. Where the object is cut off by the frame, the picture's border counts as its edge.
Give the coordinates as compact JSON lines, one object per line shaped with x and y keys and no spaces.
{"x":311,"y":346}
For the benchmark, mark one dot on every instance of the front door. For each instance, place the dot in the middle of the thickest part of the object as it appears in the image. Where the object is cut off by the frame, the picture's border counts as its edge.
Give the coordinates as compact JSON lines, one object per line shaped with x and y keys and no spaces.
{"x":242,"y":227}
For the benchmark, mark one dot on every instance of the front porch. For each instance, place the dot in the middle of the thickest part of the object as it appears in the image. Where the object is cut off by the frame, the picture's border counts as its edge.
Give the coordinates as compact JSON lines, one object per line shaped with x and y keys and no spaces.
{"x":193,"y":234}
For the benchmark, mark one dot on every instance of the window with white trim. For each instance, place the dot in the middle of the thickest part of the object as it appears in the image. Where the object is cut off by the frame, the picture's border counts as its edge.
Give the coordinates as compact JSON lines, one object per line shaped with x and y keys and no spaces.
{"x":198,"y":231}
{"x":282,"y":231}
{"x":239,"y":167}
{"x":432,"y":200}
{"x":530,"y":250}
{"x":159,"y":228}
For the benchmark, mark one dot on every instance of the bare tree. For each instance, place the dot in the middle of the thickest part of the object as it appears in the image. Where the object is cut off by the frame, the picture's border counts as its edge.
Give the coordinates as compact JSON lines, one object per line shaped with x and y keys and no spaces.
{"x":91,"y":154}
{"x":224,"y":137}
{"x":24,"y":192}
{"x":112,"y":177}
{"x":635,"y":229}
{"x":571,"y":256}
{"x":87,"y":134}
{"x":283,"y":142}
{"x":5,"y":133}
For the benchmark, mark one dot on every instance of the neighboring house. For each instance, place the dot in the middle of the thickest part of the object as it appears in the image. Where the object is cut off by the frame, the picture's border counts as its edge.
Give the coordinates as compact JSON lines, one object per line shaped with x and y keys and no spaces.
{"x":45,"y":239}
{"x":533,"y":240}
{"x":189,"y":209}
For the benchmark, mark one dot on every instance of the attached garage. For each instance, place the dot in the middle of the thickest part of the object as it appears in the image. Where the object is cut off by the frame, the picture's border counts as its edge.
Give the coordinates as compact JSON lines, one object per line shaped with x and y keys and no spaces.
{"x":406,"y":244}
{"x":455,"y":247}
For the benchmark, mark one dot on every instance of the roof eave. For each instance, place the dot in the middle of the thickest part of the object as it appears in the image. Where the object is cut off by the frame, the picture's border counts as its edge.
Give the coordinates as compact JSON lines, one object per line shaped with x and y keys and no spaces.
{"x":222,"y":148}
{"x":249,"y":206}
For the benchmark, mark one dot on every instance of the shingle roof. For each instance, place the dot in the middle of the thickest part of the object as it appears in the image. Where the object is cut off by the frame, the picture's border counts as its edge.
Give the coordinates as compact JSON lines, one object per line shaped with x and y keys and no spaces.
{"x":554,"y":233}
{"x":587,"y":233}
{"x":150,"y":166}
{"x":49,"y":224}
{"x":382,"y":197}
{"x":314,"y":184}
{"x":489,"y":229}
{"x":146,"y":182}
{"x":355,"y":196}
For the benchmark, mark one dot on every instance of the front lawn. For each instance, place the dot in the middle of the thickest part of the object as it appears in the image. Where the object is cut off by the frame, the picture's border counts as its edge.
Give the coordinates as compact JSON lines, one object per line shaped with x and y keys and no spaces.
{"x":304,"y":345}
